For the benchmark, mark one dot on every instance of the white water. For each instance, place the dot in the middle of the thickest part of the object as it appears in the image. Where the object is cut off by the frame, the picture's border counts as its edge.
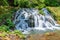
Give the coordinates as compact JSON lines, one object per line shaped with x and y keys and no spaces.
{"x":30,"y":19}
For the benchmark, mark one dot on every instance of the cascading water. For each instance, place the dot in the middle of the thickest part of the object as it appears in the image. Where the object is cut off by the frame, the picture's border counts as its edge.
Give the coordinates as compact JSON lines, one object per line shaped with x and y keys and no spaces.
{"x":30,"y":19}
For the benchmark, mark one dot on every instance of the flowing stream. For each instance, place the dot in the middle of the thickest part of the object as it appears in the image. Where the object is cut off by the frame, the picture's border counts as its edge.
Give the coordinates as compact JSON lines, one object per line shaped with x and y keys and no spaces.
{"x":27,"y":20}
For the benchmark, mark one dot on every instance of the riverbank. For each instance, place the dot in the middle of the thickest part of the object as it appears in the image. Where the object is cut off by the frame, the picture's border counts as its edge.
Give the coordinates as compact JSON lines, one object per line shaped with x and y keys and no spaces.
{"x":46,"y":36}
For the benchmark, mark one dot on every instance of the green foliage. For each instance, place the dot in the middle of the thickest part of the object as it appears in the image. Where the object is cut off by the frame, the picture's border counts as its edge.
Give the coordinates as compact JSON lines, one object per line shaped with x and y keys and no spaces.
{"x":30,"y":3}
{"x":9,"y":23}
{"x":16,"y":32}
{"x":6,"y":13}
{"x":19,"y":33}
{"x":41,"y":12}
{"x":40,"y":6}
{"x":42,"y":1}
{"x":4,"y":28}
{"x":51,"y":3}
{"x":52,"y":14}
{"x":21,"y":3}
{"x":4,"y":2}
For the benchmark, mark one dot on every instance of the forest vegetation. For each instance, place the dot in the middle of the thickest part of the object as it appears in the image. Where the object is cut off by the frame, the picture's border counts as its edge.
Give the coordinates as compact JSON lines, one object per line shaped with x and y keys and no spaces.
{"x":8,"y":9}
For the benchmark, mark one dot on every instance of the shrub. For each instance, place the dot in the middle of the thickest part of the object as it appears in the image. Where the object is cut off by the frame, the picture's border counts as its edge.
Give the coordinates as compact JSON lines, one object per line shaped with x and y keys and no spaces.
{"x":9,"y":23}
{"x":30,"y":3}
{"x":42,"y":1}
{"x":51,"y":3}
{"x":6,"y":13}
{"x":41,"y":6}
{"x":4,"y":2}
{"x":4,"y":28}
{"x":21,"y":3}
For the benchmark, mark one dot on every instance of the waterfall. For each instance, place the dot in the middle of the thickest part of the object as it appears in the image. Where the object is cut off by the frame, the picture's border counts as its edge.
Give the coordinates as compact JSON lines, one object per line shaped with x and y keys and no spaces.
{"x":29,"y":19}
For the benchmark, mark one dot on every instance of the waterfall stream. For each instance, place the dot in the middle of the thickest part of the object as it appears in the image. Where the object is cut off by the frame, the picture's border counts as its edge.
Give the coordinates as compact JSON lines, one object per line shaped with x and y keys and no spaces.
{"x":27,"y":20}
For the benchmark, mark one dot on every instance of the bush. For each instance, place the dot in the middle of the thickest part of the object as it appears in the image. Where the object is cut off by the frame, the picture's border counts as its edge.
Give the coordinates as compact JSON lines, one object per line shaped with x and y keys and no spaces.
{"x":6,"y":13}
{"x":42,"y":1}
{"x":9,"y":23}
{"x":51,"y":3}
{"x":4,"y":28}
{"x":41,"y":6}
{"x":30,"y":3}
{"x":21,"y":3}
{"x":4,"y":2}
